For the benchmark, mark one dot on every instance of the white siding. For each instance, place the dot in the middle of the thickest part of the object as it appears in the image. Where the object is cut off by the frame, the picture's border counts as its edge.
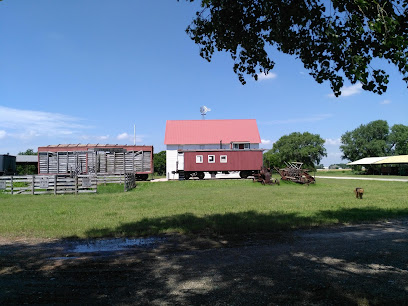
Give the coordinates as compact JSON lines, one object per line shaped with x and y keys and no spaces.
{"x":171,"y":162}
{"x":206,"y":146}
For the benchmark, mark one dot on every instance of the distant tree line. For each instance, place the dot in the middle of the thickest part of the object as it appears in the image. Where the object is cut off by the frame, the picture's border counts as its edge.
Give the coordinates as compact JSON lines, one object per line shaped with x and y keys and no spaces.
{"x":374,"y":139}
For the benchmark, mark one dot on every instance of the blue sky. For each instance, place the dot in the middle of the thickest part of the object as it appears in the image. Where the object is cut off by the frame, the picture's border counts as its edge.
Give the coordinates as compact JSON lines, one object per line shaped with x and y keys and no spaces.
{"x":87,"y":71}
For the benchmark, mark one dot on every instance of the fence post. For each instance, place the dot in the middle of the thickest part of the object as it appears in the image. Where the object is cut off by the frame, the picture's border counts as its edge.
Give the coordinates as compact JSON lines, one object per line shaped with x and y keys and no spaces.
{"x":33,"y":182}
{"x":76,"y":184}
{"x":11,"y":186}
{"x":55,"y":184}
{"x":124,"y":183}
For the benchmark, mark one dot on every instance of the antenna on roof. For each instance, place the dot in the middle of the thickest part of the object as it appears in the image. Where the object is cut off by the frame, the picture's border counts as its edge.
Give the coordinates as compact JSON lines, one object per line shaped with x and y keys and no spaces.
{"x":204,"y":110}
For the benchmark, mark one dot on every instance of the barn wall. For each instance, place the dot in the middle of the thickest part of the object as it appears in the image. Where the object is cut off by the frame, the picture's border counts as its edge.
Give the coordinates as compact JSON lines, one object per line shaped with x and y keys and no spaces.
{"x":236,"y":160}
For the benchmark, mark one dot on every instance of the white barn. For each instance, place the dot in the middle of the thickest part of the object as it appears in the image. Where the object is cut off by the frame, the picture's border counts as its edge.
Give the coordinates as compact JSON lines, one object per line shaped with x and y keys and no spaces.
{"x":238,"y":134}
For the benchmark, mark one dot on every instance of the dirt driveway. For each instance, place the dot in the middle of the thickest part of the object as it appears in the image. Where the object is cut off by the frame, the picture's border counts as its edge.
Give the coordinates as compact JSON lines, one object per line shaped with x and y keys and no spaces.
{"x":359,"y":264}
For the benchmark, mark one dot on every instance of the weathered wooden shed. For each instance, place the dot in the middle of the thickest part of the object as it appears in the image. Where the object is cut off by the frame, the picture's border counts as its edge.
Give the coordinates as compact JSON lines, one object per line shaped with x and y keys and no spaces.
{"x":95,"y":158}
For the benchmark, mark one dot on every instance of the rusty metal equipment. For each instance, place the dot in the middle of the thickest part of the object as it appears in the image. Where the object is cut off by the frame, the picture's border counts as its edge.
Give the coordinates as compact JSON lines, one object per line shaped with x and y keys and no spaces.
{"x":294,"y":172}
{"x":265,"y":177}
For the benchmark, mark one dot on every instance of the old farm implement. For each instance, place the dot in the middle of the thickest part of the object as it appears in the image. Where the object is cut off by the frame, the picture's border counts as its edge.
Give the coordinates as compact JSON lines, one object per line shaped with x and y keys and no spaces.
{"x":265,"y":177}
{"x":294,"y":172}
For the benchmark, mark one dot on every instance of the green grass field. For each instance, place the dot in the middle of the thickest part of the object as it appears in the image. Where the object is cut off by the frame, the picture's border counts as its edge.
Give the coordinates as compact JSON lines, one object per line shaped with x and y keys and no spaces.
{"x":199,"y":207}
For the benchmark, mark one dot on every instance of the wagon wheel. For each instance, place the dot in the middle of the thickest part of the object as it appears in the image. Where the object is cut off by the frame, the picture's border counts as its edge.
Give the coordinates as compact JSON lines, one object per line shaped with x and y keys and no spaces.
{"x":243,"y":174}
{"x":200,"y":175}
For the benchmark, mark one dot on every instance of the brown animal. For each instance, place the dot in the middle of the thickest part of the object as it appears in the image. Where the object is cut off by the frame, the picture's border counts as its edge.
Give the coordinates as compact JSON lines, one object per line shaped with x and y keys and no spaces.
{"x":359,"y":192}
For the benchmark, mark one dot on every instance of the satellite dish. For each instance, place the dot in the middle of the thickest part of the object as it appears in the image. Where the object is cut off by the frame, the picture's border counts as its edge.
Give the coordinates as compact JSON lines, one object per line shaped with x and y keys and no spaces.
{"x":204,"y":110}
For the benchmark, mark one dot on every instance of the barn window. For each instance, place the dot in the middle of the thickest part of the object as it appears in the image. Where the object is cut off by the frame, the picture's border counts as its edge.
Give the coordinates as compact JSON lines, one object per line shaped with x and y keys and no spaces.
{"x":211,"y":159}
{"x":223,"y":159}
{"x":241,"y":146}
{"x":199,"y":159}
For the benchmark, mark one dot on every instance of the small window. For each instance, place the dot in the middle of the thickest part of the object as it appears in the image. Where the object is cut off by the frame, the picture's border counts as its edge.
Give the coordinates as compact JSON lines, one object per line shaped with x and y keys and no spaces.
{"x":241,"y":146}
{"x":223,"y":159}
{"x":211,"y":159}
{"x":199,"y":159}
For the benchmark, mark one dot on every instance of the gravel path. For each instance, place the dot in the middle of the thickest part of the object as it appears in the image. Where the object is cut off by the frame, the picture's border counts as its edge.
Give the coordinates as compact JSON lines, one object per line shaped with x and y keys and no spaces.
{"x":355,"y":264}
{"x":362,"y":178}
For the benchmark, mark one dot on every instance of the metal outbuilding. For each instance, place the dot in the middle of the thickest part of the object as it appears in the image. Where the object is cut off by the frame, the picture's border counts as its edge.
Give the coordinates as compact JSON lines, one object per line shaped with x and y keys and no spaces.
{"x":367,"y":161}
{"x":399,"y":159}
{"x":395,"y":165}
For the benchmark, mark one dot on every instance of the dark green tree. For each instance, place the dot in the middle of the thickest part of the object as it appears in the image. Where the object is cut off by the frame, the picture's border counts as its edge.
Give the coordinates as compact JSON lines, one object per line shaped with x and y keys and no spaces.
{"x":271,"y":160}
{"x":368,"y":140}
{"x":299,"y":147}
{"x":28,"y":151}
{"x":399,"y":139}
{"x":160,"y":163}
{"x":335,"y":39}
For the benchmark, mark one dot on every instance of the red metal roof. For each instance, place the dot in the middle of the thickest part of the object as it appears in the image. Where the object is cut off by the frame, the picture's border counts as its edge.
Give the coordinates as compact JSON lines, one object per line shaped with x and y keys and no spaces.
{"x":184,"y":132}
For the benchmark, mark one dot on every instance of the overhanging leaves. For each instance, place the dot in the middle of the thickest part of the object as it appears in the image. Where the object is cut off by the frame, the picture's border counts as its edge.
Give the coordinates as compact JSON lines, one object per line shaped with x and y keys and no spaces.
{"x":335,"y":39}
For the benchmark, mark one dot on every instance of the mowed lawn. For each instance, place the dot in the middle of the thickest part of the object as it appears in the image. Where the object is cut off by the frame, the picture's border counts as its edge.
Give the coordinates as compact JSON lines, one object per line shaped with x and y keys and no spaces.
{"x":200,"y":207}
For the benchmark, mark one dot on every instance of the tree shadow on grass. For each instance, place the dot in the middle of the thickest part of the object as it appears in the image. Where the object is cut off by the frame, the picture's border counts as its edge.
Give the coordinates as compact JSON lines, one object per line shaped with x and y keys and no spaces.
{"x":243,"y":222}
{"x":321,"y":271}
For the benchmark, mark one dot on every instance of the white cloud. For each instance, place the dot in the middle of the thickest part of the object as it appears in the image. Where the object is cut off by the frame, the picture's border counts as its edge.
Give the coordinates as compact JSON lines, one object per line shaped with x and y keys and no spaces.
{"x":347,"y":91}
{"x":129,"y":138}
{"x":385,"y":102}
{"x":263,"y":76}
{"x":266,"y":141}
{"x":102,"y":137}
{"x":26,"y":124}
{"x":123,"y":136}
{"x":334,"y":142}
{"x":2,"y":134}
{"x":305,"y":119}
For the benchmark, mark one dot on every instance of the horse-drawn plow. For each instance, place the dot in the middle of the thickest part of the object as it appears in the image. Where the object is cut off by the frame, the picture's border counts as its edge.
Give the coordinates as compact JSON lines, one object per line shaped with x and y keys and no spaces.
{"x":294,"y":173}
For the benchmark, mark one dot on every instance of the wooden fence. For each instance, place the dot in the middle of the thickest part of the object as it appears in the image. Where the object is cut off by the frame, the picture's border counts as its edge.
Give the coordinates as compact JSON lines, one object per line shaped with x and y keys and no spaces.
{"x":130,"y":181}
{"x":48,"y":184}
{"x":61,"y":184}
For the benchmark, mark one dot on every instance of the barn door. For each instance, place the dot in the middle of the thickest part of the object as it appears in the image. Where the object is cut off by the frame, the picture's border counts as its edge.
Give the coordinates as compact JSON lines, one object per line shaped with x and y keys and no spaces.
{"x":180,"y":161}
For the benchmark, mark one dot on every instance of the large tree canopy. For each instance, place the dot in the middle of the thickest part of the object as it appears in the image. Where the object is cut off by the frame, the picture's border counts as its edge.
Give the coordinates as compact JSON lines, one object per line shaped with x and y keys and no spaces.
{"x":297,"y":147}
{"x":399,"y":139}
{"x":374,"y":139}
{"x":368,"y":140}
{"x":335,"y":39}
